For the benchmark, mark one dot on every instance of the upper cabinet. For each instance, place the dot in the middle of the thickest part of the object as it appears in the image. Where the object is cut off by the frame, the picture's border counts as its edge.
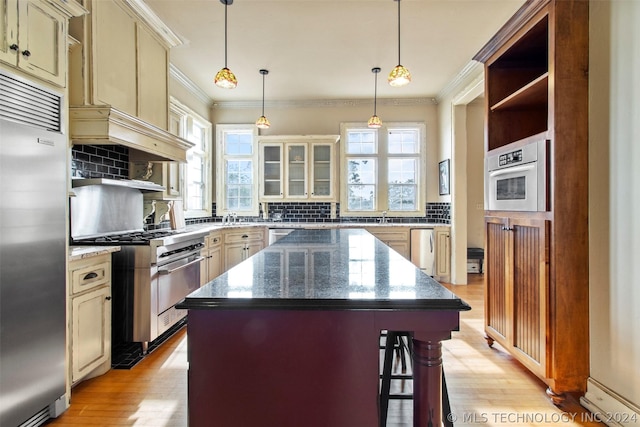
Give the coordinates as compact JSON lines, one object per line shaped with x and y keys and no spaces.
{"x":33,"y":37}
{"x":119,"y":86}
{"x":299,"y":168}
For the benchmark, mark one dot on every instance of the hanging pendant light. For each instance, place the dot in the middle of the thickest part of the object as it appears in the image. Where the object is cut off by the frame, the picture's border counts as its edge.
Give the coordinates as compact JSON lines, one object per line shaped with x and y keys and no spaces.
{"x":375,"y":122}
{"x":399,"y":76}
{"x":225,"y":78}
{"x":263,"y":122}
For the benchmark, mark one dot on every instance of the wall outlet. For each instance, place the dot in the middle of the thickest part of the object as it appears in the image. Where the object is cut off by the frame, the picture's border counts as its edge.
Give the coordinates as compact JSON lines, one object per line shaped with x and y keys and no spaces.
{"x":480,"y":206}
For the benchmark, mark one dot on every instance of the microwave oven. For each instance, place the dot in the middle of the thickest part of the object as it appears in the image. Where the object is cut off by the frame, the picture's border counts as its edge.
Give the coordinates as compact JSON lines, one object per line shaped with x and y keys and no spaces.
{"x":517,"y":180}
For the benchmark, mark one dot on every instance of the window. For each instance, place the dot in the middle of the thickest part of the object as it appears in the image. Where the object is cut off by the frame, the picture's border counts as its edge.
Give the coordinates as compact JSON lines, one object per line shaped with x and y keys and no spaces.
{"x":237,"y":166}
{"x":196,"y":173}
{"x":382,"y":169}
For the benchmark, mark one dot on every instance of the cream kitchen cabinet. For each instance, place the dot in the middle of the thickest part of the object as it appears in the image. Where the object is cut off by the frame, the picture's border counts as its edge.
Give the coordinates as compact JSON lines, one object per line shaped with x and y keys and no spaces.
{"x":396,"y":238}
{"x":33,"y":37}
{"x":442,"y":269}
{"x":298,"y":168}
{"x":211,"y":267}
{"x":90,"y":317}
{"x":127,"y":60}
{"x":242,"y":242}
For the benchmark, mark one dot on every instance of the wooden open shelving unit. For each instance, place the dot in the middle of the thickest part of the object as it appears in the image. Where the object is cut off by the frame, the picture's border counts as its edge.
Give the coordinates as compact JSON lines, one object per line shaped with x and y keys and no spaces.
{"x":536,"y":87}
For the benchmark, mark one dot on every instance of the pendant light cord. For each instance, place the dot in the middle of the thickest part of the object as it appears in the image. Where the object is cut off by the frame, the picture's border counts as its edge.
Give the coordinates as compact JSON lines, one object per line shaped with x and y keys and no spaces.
{"x":263,"y":74}
{"x":225,"y":34}
{"x":399,"y":32}
{"x":375,"y":95}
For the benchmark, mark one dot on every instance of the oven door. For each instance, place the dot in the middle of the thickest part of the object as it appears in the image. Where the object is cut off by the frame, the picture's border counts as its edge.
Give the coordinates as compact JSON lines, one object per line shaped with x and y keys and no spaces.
{"x":513,"y":188}
{"x":176,"y":280}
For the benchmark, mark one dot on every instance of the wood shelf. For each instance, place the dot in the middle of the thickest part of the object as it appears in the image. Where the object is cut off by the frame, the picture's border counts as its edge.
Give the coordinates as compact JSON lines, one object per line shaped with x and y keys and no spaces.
{"x":534,"y":94}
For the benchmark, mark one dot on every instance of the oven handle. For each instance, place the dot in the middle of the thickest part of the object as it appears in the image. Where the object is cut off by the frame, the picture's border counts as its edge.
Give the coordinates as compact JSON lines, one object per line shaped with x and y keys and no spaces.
{"x":512,"y":169}
{"x":169,"y":271}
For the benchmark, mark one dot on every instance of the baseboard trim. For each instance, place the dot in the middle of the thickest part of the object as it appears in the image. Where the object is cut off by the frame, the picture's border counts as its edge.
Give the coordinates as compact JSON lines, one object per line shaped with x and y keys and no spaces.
{"x":609,"y":407}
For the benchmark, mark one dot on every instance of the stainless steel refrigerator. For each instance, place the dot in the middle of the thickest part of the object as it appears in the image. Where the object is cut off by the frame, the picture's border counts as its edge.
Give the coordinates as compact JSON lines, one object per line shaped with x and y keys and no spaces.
{"x":33,"y":198}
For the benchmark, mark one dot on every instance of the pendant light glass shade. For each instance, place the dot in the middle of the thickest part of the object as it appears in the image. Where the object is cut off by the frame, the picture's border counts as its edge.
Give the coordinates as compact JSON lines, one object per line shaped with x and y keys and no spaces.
{"x":399,"y":76}
{"x":263,"y":122}
{"x":225,"y":78}
{"x":375,"y":122}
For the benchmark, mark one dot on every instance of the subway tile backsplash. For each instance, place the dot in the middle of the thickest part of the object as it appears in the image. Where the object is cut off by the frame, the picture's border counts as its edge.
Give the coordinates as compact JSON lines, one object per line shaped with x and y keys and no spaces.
{"x":112,"y":161}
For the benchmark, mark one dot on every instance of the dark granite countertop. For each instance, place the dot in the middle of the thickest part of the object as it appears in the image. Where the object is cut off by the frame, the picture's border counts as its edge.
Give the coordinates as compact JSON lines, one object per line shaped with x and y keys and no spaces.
{"x":329,"y":269}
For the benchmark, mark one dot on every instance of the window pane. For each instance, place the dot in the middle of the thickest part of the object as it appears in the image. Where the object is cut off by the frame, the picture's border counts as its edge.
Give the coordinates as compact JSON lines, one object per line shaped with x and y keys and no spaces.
{"x":402,"y":197}
{"x":361,"y":197}
{"x":361,"y":142}
{"x":402,"y":171}
{"x":403,"y":141}
{"x":362,"y":171}
{"x":238,"y":143}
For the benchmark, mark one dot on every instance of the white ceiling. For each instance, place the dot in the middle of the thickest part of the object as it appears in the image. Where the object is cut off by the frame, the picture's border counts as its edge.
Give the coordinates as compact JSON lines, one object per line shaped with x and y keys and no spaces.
{"x":325,"y":49}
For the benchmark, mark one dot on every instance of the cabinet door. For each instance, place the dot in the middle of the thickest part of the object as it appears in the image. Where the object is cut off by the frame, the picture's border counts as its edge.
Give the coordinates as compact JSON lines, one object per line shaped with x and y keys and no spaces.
{"x":296,"y":171}
{"x":9,"y":31}
{"x":272,"y":170}
{"x":497,"y":299}
{"x":234,"y":254}
{"x":443,"y":253}
{"x":214,"y":262}
{"x":322,"y":171}
{"x":42,"y":41}
{"x":153,"y":95}
{"x":529,"y":290}
{"x":91,"y":331}
{"x":253,"y":248}
{"x":115,"y":56}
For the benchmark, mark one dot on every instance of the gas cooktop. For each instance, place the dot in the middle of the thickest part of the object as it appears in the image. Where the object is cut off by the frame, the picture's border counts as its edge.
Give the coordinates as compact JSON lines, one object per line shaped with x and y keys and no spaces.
{"x":133,"y":238}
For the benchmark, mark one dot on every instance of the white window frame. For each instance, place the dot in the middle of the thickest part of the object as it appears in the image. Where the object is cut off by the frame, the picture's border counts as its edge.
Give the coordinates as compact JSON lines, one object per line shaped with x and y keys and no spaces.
{"x":187,"y":120}
{"x":382,"y":157}
{"x":221,"y":179}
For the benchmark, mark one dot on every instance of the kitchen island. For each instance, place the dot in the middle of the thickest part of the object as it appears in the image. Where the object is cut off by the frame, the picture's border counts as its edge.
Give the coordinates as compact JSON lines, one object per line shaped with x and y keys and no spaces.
{"x":290,"y":336}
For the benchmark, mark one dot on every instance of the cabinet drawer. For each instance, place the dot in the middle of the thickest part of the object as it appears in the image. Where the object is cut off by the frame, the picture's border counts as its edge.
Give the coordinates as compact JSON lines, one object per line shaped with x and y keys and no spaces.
{"x":387,"y":236}
{"x":90,"y":276}
{"x":243,"y":235}
{"x":213,"y":240}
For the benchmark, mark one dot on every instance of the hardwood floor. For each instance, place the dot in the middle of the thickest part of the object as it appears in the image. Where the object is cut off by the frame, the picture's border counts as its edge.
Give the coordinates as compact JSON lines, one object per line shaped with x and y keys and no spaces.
{"x":486,"y":386}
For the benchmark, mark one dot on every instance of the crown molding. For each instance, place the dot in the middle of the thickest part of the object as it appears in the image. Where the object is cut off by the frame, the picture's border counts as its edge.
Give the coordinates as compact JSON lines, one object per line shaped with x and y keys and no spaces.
{"x":188,"y":84}
{"x":469,"y":73}
{"x":322,"y":103}
{"x":145,"y":13}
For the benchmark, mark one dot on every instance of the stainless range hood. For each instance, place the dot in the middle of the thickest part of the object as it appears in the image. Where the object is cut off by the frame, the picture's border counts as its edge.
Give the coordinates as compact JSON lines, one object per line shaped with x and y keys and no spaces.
{"x":105,"y":125}
{"x":144,"y":186}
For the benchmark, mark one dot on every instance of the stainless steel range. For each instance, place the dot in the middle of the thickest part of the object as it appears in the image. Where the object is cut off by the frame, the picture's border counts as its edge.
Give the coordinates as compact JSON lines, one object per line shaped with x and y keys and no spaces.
{"x":154,"y":269}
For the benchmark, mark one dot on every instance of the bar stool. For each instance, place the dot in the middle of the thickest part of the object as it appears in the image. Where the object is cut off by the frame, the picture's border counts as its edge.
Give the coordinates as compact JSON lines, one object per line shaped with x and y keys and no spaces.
{"x":400,"y":343}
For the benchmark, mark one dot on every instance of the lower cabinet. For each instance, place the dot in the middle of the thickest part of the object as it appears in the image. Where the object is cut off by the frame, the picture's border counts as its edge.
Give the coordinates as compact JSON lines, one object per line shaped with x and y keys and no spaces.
{"x":90,"y":317}
{"x":397,"y":238}
{"x":211,"y":267}
{"x":517,"y":302}
{"x":442,"y":269}
{"x":242,"y":242}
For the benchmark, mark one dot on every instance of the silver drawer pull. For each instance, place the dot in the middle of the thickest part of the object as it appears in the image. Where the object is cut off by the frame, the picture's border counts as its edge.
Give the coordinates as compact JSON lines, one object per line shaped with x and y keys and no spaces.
{"x":169,"y":271}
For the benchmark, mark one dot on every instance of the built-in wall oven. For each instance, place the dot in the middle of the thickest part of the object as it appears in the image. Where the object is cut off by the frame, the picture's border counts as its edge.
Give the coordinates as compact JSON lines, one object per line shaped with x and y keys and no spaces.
{"x":517,"y":179}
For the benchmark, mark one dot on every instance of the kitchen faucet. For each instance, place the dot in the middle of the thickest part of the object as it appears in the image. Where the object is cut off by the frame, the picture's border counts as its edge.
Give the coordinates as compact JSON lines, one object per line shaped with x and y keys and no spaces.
{"x":383,"y":220}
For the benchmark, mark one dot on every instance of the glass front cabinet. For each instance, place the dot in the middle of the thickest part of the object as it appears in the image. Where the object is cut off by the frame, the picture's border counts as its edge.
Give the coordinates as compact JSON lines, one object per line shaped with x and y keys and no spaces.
{"x":298,"y":168}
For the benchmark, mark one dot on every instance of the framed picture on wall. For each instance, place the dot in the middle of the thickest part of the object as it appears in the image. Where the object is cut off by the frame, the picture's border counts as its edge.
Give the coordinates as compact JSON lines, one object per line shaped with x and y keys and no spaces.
{"x":443,"y":177}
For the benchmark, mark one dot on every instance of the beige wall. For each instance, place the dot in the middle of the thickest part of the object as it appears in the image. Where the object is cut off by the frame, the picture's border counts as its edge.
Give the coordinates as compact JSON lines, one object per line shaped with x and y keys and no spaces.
{"x":614,"y":204}
{"x":475,"y":174}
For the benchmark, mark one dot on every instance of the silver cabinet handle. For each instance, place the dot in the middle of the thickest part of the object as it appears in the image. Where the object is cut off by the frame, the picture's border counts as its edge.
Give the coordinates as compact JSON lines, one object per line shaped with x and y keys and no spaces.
{"x":169,"y":271}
